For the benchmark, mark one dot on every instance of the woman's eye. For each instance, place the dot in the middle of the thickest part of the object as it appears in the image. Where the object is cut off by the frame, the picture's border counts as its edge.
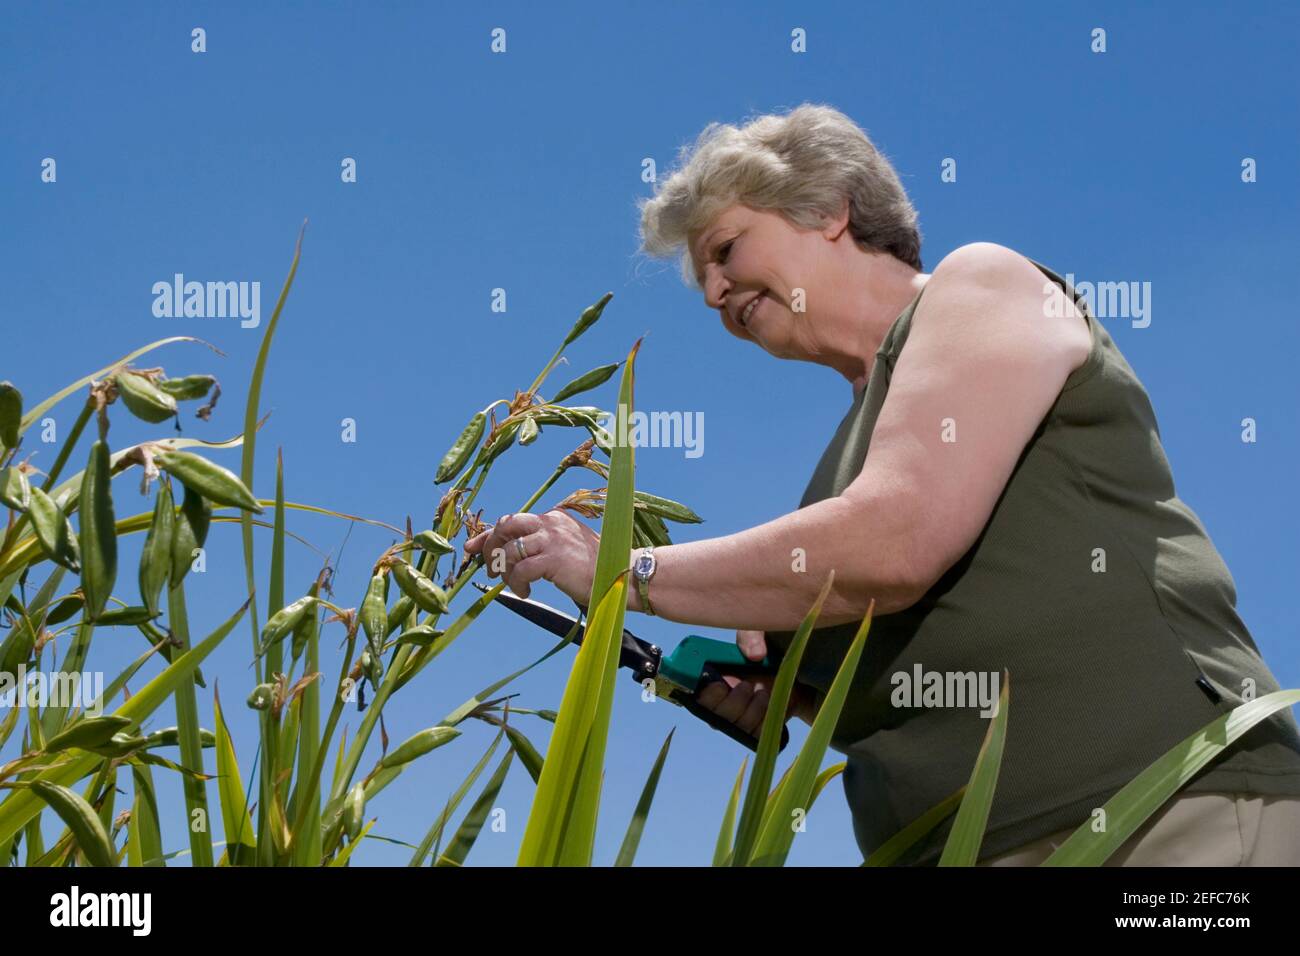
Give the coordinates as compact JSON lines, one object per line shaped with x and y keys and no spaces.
{"x":722,"y":250}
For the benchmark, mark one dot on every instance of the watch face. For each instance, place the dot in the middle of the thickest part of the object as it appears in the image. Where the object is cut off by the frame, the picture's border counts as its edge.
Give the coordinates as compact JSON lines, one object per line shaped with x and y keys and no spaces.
{"x":644,"y":564}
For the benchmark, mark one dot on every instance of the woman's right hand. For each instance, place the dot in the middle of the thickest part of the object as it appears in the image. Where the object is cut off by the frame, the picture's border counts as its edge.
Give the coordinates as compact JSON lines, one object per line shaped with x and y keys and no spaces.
{"x":744,"y":700}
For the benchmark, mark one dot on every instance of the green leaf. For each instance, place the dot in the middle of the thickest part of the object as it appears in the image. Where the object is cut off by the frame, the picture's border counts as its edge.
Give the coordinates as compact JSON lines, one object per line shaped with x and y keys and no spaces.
{"x":632,"y":839}
{"x":241,"y":845}
{"x":250,"y":438}
{"x":756,"y":794}
{"x":1129,"y":809}
{"x":472,"y":825}
{"x":722,"y":848}
{"x":144,"y":839}
{"x":562,"y":824}
{"x":772,"y":844}
{"x":893,"y":849}
{"x":191,"y":743}
{"x":435,"y":831}
{"x":963,"y":846}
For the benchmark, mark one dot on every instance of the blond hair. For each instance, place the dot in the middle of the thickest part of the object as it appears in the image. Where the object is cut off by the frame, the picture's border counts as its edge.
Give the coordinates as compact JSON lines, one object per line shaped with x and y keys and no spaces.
{"x":804,"y":165}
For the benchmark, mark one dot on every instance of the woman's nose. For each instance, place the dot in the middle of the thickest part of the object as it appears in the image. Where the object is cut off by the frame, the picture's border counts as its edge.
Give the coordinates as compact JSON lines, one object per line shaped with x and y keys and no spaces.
{"x":715,"y":290}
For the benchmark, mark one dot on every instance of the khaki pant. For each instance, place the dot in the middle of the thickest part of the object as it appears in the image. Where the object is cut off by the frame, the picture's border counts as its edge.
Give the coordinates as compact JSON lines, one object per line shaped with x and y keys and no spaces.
{"x":1196,"y":829}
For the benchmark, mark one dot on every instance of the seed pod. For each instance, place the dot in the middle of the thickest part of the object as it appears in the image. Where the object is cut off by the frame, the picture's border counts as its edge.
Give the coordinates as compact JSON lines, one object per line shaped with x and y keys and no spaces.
{"x":426,"y":595}
{"x":11,"y":414}
{"x":418,"y":745}
{"x":528,"y":754}
{"x":90,"y":732}
{"x":53,"y":531}
{"x":588,"y":318}
{"x":285,"y":620}
{"x":353,"y":810}
{"x":171,"y":737}
{"x":398,"y":614}
{"x":133,"y":616}
{"x":433,"y":543}
{"x":120,"y":745}
{"x":459,"y":453}
{"x":67,"y":607}
{"x":585,"y":383}
{"x":261,"y":697}
{"x":422,"y":635}
{"x":372,"y":665}
{"x":504,"y":438}
{"x":87,"y":829}
{"x":664,"y":508}
{"x":374,"y":610}
{"x":528,"y":431}
{"x":217,"y":484}
{"x":156,"y":556}
{"x":302,"y":633}
{"x":189,"y":388}
{"x":143,"y":398}
{"x":189,"y":533}
{"x":15,"y":491}
{"x":98,"y":532}
{"x":585,"y":415}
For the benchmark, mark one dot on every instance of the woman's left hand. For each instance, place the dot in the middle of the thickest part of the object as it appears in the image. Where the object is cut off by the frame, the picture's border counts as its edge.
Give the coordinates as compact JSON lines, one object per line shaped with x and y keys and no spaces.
{"x":558,"y":548}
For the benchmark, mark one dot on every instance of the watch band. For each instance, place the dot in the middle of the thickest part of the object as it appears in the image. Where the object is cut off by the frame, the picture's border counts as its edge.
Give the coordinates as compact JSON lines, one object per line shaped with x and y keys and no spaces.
{"x":642,"y":571}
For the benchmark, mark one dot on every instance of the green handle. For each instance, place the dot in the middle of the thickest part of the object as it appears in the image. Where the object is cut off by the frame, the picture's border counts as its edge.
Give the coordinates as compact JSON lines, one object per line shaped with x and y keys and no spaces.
{"x":687,"y":663}
{"x":698,"y":661}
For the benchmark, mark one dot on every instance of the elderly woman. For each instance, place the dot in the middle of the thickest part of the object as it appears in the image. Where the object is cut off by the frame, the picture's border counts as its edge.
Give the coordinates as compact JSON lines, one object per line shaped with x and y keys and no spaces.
{"x":997,"y":487}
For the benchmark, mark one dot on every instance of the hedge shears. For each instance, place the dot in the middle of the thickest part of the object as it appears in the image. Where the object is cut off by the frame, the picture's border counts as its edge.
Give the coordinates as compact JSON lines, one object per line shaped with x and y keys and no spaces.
{"x":678,"y":678}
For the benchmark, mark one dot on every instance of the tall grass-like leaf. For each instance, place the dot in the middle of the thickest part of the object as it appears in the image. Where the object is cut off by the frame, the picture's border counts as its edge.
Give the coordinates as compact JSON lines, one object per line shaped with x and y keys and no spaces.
{"x":435,"y":831}
{"x":632,"y":839}
{"x":274,"y":654}
{"x":22,"y":805}
{"x":557,"y":801}
{"x":562,"y":824}
{"x":772,"y":844}
{"x":250,"y":439}
{"x":463,"y":840}
{"x":34,"y":841}
{"x":893,"y":849}
{"x":756,"y":794}
{"x":144,"y":841}
{"x":241,"y":847}
{"x":307,"y":838}
{"x":722,"y":848}
{"x":55,"y":717}
{"x":967,"y":833}
{"x":191,"y":744}
{"x":1125,"y":812}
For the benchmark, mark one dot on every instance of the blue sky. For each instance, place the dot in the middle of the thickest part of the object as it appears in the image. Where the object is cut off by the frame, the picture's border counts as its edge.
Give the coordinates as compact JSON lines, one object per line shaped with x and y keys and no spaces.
{"x":521,"y":171}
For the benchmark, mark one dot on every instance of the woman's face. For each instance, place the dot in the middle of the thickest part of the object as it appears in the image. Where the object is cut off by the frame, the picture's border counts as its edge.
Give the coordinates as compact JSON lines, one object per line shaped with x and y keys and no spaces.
{"x":749,"y":255}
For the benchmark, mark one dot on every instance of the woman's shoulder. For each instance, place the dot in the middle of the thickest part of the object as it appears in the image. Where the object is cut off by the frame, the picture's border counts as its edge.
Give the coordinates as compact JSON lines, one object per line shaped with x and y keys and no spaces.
{"x":979,"y":269}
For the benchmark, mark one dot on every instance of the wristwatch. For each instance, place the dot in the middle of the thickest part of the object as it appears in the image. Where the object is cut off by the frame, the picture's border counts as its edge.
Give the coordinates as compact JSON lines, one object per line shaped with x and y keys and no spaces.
{"x":643,"y":570}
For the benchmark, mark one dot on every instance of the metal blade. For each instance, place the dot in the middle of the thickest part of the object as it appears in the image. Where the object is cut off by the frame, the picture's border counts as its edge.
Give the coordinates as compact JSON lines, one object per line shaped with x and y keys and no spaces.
{"x":544,"y":616}
{"x":640,"y":657}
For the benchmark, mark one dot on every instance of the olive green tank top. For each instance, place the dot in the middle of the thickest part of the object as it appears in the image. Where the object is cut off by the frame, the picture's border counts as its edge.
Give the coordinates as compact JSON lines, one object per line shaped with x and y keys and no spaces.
{"x":1093,"y":585}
